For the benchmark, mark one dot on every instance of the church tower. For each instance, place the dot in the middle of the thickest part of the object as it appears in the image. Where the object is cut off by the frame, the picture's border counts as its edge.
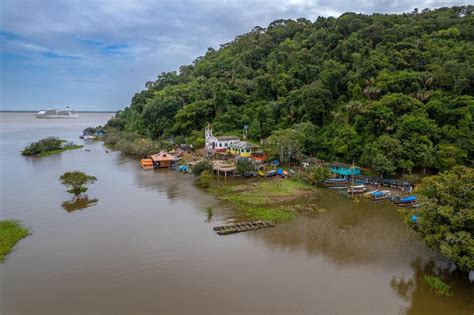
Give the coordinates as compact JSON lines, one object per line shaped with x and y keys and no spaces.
{"x":208,"y":132}
{"x":208,"y":137}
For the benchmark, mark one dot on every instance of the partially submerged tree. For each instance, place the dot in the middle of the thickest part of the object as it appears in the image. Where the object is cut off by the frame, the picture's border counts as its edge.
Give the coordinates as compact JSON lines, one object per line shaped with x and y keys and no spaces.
{"x":204,"y":180}
{"x":446,"y":216}
{"x":76,"y":181}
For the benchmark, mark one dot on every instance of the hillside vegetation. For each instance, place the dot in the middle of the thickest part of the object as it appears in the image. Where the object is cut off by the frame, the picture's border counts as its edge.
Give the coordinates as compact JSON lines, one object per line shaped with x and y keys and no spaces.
{"x":393,"y":92}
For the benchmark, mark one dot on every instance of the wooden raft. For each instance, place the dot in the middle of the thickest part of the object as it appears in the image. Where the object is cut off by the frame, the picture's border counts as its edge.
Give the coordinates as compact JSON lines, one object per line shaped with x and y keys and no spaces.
{"x":242,"y":227}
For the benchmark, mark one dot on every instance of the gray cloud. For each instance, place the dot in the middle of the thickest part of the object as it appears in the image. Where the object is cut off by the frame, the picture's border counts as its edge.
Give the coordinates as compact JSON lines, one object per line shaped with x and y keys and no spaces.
{"x":80,"y":45}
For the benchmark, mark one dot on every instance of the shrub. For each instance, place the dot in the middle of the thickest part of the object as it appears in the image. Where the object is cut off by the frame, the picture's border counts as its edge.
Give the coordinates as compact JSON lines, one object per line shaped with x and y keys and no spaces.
{"x":244,"y":166}
{"x":201,"y":166}
{"x":204,"y":179}
{"x":112,"y":137}
{"x":439,"y":286}
{"x":314,"y":174}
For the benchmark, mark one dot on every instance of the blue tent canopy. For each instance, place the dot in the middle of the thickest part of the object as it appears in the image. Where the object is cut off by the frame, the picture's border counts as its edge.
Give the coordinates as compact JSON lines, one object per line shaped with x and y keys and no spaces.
{"x":408,"y":199}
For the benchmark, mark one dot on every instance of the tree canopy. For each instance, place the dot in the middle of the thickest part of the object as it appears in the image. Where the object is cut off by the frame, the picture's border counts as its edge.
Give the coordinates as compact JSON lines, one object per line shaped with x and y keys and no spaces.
{"x":446,"y":217}
{"x":391,"y":91}
{"x":77,"y":182}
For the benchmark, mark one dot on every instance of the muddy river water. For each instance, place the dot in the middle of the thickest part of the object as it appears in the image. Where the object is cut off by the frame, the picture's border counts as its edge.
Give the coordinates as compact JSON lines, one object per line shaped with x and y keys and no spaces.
{"x":144,"y":244}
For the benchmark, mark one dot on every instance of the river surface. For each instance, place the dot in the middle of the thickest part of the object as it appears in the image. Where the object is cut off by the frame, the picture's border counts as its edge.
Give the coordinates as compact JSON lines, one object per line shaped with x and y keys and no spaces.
{"x":144,"y":244}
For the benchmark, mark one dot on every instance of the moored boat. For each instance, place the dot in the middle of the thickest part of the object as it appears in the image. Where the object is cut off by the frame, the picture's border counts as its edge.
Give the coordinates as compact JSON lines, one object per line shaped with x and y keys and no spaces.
{"x":271,"y":173}
{"x":336,"y":182}
{"x":369,"y":193}
{"x":410,"y":201}
{"x":379,"y":195}
{"x":357,"y":189}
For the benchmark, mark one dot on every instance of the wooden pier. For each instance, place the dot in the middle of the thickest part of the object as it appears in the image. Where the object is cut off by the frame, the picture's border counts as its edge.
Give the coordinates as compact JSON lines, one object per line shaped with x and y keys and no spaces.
{"x":242,"y":227}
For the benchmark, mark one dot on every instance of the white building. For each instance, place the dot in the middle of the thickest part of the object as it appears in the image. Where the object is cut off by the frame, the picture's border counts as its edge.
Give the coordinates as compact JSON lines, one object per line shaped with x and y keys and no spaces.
{"x":218,"y":143}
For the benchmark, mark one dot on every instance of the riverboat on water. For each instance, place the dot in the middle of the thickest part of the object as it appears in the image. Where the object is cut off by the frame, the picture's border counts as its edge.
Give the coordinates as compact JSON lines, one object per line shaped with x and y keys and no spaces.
{"x":57,"y":113}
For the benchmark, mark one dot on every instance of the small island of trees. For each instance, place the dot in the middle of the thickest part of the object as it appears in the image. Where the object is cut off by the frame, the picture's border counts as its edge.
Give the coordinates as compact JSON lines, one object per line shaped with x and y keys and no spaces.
{"x":49,"y":146}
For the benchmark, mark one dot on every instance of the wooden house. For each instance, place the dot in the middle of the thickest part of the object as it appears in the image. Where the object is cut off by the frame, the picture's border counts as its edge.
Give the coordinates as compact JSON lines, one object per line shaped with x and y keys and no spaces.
{"x":343,"y":169}
{"x":164,"y":160}
{"x":243,"y":148}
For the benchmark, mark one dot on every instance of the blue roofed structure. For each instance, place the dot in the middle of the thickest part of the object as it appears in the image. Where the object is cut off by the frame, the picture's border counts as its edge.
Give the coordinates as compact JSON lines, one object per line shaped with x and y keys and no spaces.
{"x":344,"y":169}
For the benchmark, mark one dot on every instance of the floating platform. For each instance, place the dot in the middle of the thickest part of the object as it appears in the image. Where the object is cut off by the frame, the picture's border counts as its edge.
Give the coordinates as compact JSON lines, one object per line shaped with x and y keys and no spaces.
{"x":242,"y":227}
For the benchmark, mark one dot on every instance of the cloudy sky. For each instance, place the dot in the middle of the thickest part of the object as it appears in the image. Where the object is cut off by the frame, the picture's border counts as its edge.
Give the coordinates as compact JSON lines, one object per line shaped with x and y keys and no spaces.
{"x":94,"y":55}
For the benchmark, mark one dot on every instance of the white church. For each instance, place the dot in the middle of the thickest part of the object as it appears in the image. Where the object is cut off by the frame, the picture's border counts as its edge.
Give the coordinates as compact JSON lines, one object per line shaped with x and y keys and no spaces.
{"x":221,"y":143}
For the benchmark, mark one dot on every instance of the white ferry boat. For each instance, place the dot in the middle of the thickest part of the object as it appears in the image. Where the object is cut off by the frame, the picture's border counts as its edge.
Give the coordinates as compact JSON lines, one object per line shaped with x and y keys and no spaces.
{"x":57,"y":113}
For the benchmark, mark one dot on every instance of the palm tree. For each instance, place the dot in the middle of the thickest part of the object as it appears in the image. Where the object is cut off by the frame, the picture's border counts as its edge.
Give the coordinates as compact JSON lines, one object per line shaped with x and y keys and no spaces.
{"x":371,"y":91}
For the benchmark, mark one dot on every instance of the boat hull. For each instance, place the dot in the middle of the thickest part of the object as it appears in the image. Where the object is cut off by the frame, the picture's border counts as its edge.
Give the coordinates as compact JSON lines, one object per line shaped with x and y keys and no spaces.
{"x":55,"y":116}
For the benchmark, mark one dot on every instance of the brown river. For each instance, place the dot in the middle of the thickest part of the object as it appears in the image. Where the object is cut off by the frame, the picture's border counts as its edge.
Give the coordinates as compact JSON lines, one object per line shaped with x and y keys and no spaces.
{"x":144,"y":244}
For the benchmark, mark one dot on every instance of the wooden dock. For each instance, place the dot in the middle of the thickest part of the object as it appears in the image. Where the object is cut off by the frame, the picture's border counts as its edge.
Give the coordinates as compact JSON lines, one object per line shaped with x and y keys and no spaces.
{"x":242,"y":227}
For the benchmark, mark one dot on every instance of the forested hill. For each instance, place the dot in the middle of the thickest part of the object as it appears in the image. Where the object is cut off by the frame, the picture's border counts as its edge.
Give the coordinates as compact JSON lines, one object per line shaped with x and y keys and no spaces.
{"x":394,"y":92}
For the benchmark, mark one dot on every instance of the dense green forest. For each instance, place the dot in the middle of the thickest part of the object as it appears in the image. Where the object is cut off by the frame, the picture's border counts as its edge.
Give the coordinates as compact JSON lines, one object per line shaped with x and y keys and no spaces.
{"x":391,"y":91}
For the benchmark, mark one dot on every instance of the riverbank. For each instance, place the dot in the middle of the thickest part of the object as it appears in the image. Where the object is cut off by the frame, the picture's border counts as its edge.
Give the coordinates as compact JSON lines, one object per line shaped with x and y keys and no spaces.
{"x":276,"y":200}
{"x":11,"y":232}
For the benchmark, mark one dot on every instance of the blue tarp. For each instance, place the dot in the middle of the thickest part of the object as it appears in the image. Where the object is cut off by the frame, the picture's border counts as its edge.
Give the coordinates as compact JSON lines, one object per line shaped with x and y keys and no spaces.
{"x":378,"y":194}
{"x":280,"y":172}
{"x":183,"y":168}
{"x":408,"y":199}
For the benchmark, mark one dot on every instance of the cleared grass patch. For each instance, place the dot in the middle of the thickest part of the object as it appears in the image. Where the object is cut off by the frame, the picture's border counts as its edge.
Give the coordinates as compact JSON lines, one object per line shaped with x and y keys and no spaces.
{"x":265,"y":200}
{"x":11,"y":232}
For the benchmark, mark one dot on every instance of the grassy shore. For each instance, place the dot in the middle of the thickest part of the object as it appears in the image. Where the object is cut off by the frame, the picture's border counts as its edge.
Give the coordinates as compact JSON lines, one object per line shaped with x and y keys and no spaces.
{"x":71,"y":147}
{"x":273,"y":200}
{"x":11,"y":232}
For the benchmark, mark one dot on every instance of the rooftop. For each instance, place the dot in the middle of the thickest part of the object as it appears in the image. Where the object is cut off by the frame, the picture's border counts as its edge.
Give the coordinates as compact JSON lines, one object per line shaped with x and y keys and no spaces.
{"x":164,"y":156}
{"x":244,"y":145}
{"x":227,"y":138}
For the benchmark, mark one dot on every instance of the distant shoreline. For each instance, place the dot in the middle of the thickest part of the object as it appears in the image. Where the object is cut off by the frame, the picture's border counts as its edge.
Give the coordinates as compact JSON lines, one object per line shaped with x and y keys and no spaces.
{"x":78,"y":111}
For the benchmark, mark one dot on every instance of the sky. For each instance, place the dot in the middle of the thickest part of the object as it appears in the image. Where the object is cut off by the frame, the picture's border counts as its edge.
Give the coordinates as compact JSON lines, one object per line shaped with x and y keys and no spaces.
{"x":96,"y":54}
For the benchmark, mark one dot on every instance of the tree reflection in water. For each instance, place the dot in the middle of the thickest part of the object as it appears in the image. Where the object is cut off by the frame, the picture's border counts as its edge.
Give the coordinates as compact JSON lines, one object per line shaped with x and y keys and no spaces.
{"x":79,"y":203}
{"x":423,"y":300}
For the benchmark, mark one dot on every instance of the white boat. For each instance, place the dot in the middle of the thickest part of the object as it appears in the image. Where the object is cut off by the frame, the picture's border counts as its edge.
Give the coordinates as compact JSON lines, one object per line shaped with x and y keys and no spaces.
{"x":357,"y":189}
{"x":57,"y":113}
